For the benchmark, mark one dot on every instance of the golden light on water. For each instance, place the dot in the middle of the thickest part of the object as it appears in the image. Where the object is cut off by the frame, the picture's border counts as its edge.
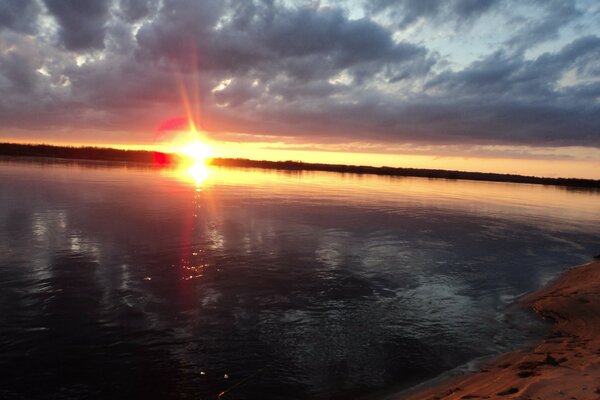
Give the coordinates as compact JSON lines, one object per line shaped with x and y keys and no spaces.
{"x":198,"y":173}
{"x":188,"y":171}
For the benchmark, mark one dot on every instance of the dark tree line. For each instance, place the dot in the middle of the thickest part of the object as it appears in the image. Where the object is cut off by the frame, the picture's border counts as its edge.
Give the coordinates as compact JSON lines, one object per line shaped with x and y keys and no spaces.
{"x":76,"y":153}
{"x":413,"y":172}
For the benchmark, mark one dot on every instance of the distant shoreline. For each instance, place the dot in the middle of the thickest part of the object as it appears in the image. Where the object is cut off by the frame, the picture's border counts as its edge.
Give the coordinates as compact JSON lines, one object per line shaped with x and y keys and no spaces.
{"x":150,"y":157}
{"x":562,"y":366}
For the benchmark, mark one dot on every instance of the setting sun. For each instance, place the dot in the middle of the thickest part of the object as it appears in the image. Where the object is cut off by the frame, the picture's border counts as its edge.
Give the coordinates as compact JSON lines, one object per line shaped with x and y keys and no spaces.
{"x":180,"y":138}
{"x":195,"y":150}
{"x":186,"y":144}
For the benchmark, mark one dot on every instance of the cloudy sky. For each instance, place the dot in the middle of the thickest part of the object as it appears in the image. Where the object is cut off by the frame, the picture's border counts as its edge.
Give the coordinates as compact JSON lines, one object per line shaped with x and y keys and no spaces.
{"x":507,"y":85}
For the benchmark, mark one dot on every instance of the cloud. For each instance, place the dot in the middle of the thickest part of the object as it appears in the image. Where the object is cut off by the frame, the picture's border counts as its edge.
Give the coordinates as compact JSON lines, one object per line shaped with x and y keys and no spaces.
{"x":311,"y":73}
{"x":82,"y":23}
{"x":513,"y":77}
{"x":18,"y":64}
{"x":408,"y":12}
{"x":135,"y":10}
{"x":556,"y":14}
{"x":18,"y":15}
{"x":303,"y":43}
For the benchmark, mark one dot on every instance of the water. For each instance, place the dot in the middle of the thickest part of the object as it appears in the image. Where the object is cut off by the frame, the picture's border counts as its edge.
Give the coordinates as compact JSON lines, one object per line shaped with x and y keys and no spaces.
{"x":128,"y":282}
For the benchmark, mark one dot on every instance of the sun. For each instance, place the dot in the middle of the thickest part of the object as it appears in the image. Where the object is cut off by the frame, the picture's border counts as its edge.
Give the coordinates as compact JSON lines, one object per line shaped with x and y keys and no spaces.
{"x":180,"y":138}
{"x":195,"y":151}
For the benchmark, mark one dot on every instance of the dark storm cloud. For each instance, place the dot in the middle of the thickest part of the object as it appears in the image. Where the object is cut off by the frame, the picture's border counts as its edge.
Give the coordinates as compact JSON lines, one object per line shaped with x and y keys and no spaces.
{"x":19,"y":15}
{"x":302,"y":43}
{"x":501,"y":99}
{"x":304,"y":72}
{"x":180,"y":29}
{"x":82,"y":22}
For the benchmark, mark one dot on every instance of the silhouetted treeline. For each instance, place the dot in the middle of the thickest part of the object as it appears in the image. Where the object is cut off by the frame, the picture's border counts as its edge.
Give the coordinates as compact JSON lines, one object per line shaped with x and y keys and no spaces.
{"x":414,"y":172}
{"x":141,"y":156}
{"x":79,"y":153}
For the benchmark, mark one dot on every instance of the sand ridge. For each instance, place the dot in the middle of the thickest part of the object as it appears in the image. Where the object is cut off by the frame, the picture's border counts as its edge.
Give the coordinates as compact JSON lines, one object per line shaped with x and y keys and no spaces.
{"x":566,"y":365}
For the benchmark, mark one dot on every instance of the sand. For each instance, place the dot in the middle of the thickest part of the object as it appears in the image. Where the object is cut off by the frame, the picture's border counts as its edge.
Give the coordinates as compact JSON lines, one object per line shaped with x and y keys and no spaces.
{"x":566,"y":365}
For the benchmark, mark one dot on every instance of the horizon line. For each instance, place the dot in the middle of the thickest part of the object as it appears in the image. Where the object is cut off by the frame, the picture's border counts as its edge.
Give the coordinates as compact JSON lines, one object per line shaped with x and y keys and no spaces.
{"x":11,"y":149}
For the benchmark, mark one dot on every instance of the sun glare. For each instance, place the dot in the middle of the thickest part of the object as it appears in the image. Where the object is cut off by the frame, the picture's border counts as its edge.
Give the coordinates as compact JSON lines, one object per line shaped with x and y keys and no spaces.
{"x":194,"y":154}
{"x":195,"y":151}
{"x":191,"y":154}
{"x":179,"y":136}
{"x":197,"y":172}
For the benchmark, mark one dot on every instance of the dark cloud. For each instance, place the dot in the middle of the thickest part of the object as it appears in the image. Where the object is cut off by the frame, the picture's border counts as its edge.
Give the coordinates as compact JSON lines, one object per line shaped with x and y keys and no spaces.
{"x":503,"y":99}
{"x":18,"y":15}
{"x":134,"y":10}
{"x":18,"y":72}
{"x":407,"y":12}
{"x":82,"y":23}
{"x":468,"y":9}
{"x":505,"y":75}
{"x":304,"y":72}
{"x":277,"y":40}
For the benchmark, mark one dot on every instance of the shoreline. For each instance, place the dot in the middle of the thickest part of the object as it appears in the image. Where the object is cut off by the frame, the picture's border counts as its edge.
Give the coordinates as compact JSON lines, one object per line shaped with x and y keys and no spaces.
{"x":150,"y":157}
{"x":564,"y":365}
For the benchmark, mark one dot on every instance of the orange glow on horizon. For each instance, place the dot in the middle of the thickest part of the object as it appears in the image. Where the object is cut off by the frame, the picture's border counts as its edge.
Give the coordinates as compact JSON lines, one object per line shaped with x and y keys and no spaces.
{"x":577,"y":167}
{"x":586,"y":166}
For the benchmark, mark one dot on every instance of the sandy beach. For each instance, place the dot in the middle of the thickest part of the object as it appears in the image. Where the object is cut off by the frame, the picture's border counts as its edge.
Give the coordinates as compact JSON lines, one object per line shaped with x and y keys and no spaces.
{"x":566,"y":365}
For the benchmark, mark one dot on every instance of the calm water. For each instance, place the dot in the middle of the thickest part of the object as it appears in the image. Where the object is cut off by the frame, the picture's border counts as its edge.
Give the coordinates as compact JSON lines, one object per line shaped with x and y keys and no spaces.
{"x":123,"y":282}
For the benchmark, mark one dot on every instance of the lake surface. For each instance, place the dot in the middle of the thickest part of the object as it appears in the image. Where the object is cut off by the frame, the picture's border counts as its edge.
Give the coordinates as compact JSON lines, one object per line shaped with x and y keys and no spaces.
{"x":122,"y":282}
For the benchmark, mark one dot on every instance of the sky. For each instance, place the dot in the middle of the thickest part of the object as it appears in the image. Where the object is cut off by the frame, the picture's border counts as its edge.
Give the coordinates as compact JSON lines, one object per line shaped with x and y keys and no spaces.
{"x":508,"y":86}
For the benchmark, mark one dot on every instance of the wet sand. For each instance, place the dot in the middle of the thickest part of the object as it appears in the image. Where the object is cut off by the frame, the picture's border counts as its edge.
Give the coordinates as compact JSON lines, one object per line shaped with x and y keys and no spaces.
{"x":566,"y":365}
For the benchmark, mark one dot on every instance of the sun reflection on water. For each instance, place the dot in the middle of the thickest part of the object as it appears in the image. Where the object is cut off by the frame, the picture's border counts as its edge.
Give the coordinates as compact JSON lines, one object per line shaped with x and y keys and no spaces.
{"x":198,"y":173}
{"x":190,"y":173}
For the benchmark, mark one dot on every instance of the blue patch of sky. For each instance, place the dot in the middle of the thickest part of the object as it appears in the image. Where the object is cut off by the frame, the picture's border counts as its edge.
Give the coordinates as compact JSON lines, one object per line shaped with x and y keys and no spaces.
{"x":461,"y":44}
